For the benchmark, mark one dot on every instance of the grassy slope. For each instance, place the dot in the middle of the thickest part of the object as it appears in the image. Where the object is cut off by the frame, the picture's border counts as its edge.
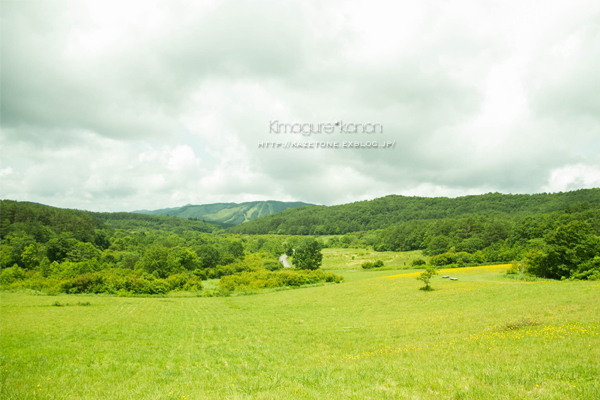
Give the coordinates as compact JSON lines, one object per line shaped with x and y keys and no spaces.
{"x":342,"y":259}
{"x":372,"y":337}
{"x":227,"y":213}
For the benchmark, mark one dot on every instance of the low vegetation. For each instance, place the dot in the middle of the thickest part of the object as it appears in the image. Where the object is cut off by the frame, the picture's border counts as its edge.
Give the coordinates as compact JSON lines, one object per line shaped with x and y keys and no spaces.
{"x":371,"y":265}
{"x":250,"y":281}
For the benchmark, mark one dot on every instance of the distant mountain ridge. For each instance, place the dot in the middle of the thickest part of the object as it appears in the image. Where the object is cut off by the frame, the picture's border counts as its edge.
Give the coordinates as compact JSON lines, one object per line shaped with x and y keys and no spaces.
{"x":227,"y":213}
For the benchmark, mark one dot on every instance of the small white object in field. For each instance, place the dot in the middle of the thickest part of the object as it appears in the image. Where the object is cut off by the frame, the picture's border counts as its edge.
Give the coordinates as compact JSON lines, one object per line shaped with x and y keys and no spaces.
{"x":453,"y":279}
{"x":446,"y":276}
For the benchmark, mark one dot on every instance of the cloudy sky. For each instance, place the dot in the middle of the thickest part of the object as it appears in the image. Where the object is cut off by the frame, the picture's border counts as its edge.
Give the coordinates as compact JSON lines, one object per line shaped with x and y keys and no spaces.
{"x":124,"y":105}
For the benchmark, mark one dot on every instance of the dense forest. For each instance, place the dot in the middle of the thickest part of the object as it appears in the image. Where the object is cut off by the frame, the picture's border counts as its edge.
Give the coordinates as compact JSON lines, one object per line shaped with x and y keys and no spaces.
{"x":71,"y":251}
{"x":477,"y":239}
{"x":393,"y":210}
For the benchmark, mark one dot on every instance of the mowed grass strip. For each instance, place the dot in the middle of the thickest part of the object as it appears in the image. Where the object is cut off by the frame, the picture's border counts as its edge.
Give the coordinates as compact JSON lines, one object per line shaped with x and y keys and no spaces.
{"x":480,"y":337}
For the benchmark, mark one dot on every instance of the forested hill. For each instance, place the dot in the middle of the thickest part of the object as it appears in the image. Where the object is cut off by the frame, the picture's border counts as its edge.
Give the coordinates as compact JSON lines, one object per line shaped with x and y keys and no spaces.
{"x":45,"y":222}
{"x":393,"y":209}
{"x":227,"y":213}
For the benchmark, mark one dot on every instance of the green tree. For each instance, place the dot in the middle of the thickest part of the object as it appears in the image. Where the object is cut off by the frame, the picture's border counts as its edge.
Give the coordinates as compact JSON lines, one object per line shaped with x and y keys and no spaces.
{"x":290,"y":245}
{"x":45,"y":267}
{"x":437,"y":245}
{"x":565,"y":249}
{"x":30,"y":257}
{"x":236,"y":248}
{"x":308,"y":255}
{"x":182,"y":259}
{"x":57,"y":249}
{"x":209,"y":255}
{"x":156,"y":260}
{"x":426,"y":276}
{"x":101,"y":240}
{"x":83,"y":252}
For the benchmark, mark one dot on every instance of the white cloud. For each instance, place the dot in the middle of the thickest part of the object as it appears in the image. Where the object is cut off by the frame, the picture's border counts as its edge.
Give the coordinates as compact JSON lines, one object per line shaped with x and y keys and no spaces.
{"x":573,"y":177}
{"x":148,"y":104}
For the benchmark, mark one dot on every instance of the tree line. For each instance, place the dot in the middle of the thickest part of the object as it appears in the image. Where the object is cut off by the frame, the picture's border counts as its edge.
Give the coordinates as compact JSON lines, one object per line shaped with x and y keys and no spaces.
{"x":393,"y":210}
{"x":72,"y":251}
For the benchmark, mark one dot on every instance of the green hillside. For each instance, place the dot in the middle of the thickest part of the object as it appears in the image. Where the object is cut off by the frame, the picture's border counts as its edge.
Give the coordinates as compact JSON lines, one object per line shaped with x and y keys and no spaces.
{"x":227,"y":213}
{"x":42,"y":223}
{"x":393,"y":210}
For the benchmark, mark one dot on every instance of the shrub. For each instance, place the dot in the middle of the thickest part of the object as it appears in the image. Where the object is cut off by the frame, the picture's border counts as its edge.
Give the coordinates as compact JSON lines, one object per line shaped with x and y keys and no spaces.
{"x":200,"y":274}
{"x":272,"y":265}
{"x":194,"y":284}
{"x":589,"y":270}
{"x":367,"y":265}
{"x":418,"y":262}
{"x":461,"y":259}
{"x":11,"y":275}
{"x":176,"y":282}
{"x":443,"y":259}
{"x":86,"y":283}
{"x":515,"y":268}
{"x":248,"y":281}
{"x":371,"y":265}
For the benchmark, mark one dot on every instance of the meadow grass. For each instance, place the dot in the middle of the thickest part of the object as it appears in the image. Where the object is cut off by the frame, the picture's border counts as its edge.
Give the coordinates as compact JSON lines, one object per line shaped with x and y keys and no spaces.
{"x":374,"y":336}
{"x":341,"y":259}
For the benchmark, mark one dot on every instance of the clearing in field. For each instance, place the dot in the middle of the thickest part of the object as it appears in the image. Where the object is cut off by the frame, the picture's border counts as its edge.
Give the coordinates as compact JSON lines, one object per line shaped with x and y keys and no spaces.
{"x":375,"y":336}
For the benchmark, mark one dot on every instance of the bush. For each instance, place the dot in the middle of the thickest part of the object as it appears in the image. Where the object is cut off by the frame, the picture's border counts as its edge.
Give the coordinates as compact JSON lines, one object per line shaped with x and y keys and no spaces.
{"x":249,"y":281}
{"x":371,"y":265}
{"x":515,"y":268}
{"x":86,"y":283}
{"x":460,"y":259}
{"x":121,"y":282}
{"x":443,"y":259}
{"x":194,"y":284}
{"x":589,"y":270}
{"x":272,"y":265}
{"x":418,"y":262}
{"x":200,"y":274}
{"x":11,"y":275}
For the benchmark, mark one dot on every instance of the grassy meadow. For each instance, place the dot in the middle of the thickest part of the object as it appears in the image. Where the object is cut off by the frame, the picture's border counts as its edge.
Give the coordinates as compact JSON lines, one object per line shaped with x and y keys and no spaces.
{"x":375,"y":336}
{"x":348,"y":259}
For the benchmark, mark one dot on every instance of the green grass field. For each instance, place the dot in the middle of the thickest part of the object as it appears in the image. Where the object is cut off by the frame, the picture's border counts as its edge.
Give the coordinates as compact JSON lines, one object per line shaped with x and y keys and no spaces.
{"x":346,"y":259}
{"x":375,"y":336}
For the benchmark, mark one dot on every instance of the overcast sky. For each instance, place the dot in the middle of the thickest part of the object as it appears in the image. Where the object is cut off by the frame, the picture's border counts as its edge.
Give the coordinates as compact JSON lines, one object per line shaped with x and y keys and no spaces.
{"x":125,"y":105}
